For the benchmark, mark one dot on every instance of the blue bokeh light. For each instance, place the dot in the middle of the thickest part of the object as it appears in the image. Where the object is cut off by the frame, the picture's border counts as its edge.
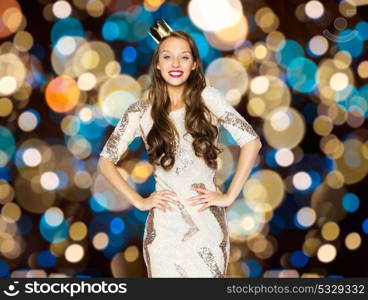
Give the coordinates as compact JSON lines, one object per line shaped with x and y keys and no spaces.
{"x":110,"y":31}
{"x":4,"y":268}
{"x":98,"y":202}
{"x":301,"y":75}
{"x":129,"y":54}
{"x":255,"y":269}
{"x":117,"y":225}
{"x":362,"y":28}
{"x":350,"y":202}
{"x":66,"y":27}
{"x":7,"y":144}
{"x":365,"y":226}
{"x":290,"y":50}
{"x":298,"y":259}
{"x":350,"y":41}
{"x":54,"y":234}
{"x":46,"y":259}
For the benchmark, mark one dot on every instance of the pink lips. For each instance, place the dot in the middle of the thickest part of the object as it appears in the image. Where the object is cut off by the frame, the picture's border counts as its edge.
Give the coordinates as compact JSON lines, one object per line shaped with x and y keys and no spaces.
{"x":176,"y":74}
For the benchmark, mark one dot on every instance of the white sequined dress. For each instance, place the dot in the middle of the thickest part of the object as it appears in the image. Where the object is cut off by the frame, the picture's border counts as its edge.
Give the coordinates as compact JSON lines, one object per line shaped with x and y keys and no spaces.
{"x":183,"y":242}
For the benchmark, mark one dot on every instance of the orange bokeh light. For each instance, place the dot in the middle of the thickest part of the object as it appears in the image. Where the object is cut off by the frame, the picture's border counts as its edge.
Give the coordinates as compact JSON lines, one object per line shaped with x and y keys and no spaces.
{"x":9,"y":13}
{"x":62,"y":94}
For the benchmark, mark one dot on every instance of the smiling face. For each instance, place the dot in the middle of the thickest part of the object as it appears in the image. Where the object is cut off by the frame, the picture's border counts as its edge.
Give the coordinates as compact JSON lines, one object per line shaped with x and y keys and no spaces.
{"x":175,"y":61}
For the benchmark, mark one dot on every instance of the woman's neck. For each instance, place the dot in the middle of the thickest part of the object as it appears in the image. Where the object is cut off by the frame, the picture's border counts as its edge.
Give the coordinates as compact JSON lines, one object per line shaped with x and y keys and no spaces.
{"x":176,"y":95}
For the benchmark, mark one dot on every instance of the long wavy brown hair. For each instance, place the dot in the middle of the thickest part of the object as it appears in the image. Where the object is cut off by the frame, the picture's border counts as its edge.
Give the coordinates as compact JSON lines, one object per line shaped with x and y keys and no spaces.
{"x":198,"y":120}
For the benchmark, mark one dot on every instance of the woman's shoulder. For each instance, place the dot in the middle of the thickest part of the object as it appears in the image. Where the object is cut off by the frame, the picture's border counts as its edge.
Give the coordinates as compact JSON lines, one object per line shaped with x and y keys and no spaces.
{"x":209,"y":91}
{"x":213,"y":97}
{"x":140,"y":106}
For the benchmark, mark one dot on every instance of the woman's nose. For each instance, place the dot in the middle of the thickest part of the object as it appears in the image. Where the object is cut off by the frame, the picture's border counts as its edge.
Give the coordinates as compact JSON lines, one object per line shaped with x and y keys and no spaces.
{"x":175,"y":63}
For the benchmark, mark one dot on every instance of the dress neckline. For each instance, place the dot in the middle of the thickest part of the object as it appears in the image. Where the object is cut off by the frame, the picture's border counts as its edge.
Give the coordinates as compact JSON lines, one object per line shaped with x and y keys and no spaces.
{"x":179,"y":109}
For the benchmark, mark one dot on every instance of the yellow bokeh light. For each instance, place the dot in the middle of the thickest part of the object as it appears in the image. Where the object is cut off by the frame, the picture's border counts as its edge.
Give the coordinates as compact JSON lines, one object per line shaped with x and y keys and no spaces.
{"x":265,"y":187}
{"x":11,"y":212}
{"x":353,"y":241}
{"x":284,"y":127}
{"x":23,"y":41}
{"x":266,"y":19}
{"x":330,"y":231}
{"x":314,"y":9}
{"x":363,"y":69}
{"x":259,"y":85}
{"x":339,"y":81}
{"x":74,"y":253}
{"x":322,"y":125}
{"x":100,"y":240}
{"x":6,"y":107}
{"x":78,"y":231}
{"x":326,"y":253}
{"x":212,"y":15}
{"x":131,"y":253}
{"x":95,"y":8}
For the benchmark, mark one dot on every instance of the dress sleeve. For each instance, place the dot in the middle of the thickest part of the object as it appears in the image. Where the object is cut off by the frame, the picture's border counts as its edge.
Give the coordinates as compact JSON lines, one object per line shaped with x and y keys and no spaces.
{"x":234,"y":122}
{"x":124,"y":133}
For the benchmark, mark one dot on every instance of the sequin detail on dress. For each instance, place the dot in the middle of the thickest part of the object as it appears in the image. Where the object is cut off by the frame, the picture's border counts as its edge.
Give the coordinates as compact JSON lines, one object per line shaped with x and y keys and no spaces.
{"x":113,"y":148}
{"x":181,"y":271}
{"x":184,"y":161}
{"x":193,"y":229}
{"x":219,"y":214}
{"x":209,"y":259}
{"x":228,"y":116}
{"x":148,"y":239}
{"x":234,"y":120}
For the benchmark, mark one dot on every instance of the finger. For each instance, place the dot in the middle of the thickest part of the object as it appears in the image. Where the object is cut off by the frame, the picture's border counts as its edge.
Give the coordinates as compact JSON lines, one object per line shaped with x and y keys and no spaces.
{"x":198,"y":202}
{"x":171,"y":198}
{"x":169,"y":192}
{"x":159,"y":206}
{"x":172,"y":201}
{"x":161,"y":192}
{"x":165,"y":204}
{"x":201,"y":190}
{"x":171,"y":195}
{"x":197,"y":197}
{"x":165,"y":207}
{"x":168,"y":199}
{"x":202,"y":197}
{"x":204,"y":207}
{"x":158,"y":201}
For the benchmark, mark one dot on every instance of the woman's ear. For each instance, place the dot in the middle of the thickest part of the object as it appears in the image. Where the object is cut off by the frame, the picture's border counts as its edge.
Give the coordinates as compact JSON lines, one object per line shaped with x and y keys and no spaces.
{"x":194,"y":65}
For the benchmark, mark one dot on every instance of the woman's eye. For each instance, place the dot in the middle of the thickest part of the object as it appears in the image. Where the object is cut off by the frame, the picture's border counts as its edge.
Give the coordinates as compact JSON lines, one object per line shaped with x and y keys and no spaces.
{"x":183,"y":57}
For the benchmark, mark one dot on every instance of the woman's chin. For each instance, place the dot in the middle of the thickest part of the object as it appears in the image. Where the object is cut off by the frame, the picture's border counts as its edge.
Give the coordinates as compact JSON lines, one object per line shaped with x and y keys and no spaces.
{"x":176,"y":82}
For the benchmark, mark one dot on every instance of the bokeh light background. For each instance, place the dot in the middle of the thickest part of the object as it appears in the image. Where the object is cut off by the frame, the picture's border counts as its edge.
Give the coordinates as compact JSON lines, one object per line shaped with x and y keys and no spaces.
{"x":297,"y":70}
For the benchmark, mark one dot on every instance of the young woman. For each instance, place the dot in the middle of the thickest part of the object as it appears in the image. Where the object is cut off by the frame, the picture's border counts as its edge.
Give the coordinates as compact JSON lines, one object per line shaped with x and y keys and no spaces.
{"x":186,"y":232}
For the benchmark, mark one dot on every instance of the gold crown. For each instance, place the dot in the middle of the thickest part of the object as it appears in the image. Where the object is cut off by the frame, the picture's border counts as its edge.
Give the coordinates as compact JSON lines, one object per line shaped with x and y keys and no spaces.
{"x":159,"y":30}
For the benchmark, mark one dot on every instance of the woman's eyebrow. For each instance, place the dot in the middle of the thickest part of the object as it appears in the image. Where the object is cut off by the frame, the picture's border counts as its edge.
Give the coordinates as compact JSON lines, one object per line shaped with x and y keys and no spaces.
{"x":170,"y":51}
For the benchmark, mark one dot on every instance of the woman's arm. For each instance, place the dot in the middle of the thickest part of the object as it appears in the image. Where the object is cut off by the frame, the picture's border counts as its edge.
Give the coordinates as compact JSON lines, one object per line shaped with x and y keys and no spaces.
{"x":126,"y":130}
{"x":108,"y":169}
{"x":247,"y":158}
{"x":242,"y":132}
